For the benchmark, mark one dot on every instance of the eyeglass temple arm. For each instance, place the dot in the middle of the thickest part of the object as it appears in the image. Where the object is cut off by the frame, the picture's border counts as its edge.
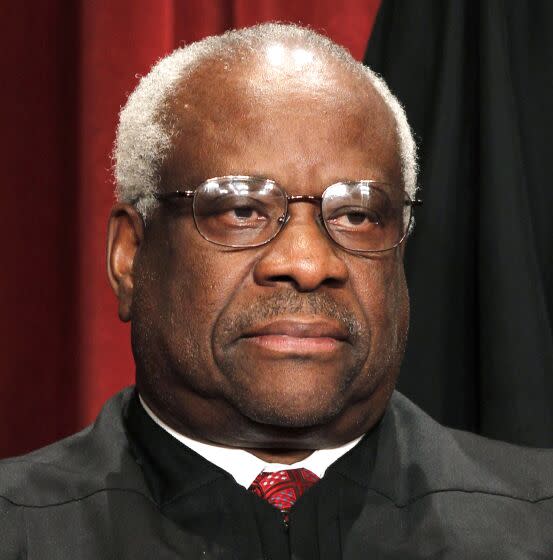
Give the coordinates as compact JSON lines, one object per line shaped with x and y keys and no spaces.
{"x":175,"y":194}
{"x":190,"y":194}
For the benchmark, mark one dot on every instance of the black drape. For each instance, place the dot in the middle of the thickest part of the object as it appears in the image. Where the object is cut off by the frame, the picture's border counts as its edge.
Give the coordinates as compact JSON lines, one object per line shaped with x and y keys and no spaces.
{"x":476,"y":79}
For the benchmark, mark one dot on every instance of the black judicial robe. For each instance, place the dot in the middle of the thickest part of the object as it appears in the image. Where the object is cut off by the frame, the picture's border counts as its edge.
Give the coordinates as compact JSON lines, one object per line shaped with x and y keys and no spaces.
{"x":124,"y":489}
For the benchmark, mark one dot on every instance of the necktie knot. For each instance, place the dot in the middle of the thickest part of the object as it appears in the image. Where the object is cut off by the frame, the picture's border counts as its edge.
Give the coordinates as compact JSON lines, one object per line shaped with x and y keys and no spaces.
{"x":283,"y":488}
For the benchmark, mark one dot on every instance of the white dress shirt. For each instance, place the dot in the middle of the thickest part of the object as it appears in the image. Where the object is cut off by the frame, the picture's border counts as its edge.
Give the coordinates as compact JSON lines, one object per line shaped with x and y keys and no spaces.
{"x":244,"y":466}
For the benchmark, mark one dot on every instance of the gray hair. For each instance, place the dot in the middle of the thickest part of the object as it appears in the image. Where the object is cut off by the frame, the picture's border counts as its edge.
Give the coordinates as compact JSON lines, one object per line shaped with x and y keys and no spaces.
{"x":143,"y":141}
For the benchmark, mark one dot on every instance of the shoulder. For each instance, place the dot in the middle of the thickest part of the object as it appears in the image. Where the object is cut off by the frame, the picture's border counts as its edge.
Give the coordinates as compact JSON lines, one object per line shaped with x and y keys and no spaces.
{"x":91,"y":461}
{"x":438,"y":459}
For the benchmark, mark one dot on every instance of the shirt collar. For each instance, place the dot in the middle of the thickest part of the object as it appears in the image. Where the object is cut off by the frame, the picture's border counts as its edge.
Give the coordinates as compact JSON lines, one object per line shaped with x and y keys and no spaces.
{"x":242,"y":465}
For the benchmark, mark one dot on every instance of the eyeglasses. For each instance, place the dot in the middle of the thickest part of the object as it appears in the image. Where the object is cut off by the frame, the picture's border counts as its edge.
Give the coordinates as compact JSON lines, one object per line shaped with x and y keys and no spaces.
{"x":241,"y":211}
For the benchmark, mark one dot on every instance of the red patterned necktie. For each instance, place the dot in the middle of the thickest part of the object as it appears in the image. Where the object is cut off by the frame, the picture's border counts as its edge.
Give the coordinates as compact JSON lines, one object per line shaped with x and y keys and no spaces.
{"x":283,"y":488}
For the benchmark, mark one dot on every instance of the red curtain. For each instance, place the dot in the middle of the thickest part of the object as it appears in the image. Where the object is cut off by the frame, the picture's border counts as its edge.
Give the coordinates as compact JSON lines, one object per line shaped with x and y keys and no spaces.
{"x":67,"y":69}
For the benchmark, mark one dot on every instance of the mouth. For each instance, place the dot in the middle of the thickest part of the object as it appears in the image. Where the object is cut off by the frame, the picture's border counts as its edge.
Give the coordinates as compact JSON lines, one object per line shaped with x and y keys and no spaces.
{"x":298,"y":336}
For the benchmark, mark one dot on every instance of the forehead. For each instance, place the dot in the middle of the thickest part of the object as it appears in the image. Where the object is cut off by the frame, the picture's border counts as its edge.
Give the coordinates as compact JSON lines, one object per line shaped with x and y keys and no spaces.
{"x":300,"y":124}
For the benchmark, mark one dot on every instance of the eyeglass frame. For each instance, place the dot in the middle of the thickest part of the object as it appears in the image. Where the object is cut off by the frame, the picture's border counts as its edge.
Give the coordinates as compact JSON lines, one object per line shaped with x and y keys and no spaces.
{"x":284,"y":219}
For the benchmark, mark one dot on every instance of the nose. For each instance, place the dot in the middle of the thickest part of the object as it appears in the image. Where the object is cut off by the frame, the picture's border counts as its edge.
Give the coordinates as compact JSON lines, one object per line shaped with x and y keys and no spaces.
{"x":301,"y":255}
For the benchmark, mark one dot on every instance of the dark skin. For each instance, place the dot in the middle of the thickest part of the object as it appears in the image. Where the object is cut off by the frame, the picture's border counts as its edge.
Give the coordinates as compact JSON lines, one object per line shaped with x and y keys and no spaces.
{"x":194,"y":304}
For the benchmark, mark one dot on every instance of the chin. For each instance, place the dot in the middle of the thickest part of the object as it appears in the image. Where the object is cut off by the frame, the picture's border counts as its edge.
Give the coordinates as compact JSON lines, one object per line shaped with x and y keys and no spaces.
{"x":291,"y":393}
{"x":291,"y":411}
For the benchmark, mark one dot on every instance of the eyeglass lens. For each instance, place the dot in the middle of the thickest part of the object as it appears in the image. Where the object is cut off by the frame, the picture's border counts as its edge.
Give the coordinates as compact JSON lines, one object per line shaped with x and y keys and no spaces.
{"x":247,"y":212}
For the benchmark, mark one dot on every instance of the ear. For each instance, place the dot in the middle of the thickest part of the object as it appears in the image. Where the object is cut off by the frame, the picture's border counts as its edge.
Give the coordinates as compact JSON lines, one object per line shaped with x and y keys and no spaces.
{"x":125,"y":235}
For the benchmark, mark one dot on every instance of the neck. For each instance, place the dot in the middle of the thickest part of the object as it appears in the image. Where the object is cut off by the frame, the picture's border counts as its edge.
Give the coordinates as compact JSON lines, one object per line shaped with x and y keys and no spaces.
{"x":282,"y":456}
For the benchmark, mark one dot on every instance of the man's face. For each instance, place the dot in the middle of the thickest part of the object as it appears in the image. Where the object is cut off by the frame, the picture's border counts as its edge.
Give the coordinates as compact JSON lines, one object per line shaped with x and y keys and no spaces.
{"x":298,"y":332}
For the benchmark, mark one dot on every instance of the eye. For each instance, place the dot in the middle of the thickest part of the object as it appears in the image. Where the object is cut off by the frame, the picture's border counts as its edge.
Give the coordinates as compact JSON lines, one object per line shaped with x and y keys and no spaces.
{"x":241,"y":216}
{"x":244,"y":212}
{"x":236,"y":212}
{"x":357,"y":218}
{"x":354,"y":219}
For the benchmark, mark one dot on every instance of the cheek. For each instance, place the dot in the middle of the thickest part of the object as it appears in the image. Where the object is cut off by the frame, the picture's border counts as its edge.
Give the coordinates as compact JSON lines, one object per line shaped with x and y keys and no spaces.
{"x":382,"y":291}
{"x":181,"y":290}
{"x":199,"y":279}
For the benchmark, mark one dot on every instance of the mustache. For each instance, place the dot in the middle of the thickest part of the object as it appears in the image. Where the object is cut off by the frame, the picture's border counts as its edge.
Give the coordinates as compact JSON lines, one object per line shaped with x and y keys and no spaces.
{"x":285,"y":303}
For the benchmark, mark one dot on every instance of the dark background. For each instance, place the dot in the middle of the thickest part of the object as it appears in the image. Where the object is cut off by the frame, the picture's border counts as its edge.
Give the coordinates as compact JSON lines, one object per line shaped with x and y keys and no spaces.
{"x":477,"y":82}
{"x":476,"y":78}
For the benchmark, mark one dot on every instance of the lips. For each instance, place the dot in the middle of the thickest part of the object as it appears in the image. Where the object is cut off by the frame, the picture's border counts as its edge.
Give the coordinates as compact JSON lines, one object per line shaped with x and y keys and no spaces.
{"x":300,"y":329}
{"x":298,"y":335}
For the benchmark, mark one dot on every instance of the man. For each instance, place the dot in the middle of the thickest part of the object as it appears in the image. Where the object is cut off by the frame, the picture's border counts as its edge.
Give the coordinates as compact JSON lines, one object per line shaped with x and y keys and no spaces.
{"x":266,"y":184}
